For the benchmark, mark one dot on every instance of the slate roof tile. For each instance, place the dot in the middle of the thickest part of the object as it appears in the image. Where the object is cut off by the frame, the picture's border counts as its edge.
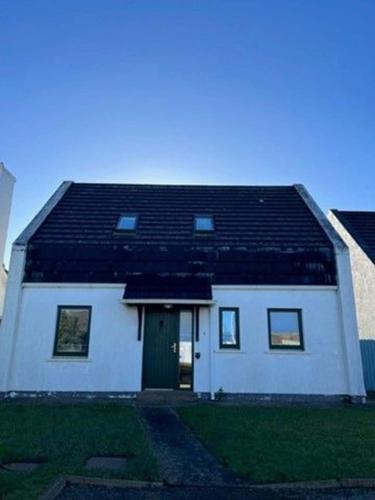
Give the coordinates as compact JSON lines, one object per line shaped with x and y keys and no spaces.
{"x":361,"y":226}
{"x":263,"y":235}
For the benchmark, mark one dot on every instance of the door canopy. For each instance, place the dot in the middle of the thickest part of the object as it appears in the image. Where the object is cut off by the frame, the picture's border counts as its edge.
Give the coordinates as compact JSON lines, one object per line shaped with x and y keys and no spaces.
{"x":148,"y":288}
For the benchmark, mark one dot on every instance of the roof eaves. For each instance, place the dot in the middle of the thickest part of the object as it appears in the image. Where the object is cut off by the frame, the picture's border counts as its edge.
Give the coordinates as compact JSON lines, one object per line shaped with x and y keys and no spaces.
{"x":324,"y":223}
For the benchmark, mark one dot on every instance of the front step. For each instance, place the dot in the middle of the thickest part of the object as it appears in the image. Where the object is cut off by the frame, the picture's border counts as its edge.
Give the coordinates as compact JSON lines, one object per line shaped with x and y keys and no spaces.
{"x":167,"y":398}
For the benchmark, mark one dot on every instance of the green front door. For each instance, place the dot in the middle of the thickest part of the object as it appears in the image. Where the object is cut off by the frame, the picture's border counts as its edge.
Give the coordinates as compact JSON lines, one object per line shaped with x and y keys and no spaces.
{"x":160,"y":349}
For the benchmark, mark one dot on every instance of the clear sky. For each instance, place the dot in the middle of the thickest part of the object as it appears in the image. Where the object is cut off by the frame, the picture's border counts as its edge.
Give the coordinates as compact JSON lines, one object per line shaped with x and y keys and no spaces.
{"x":188,"y":91}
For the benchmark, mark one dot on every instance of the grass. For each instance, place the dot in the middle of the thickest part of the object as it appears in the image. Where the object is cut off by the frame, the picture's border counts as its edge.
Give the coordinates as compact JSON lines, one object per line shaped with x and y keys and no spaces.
{"x":62,"y":437}
{"x":276,"y":444}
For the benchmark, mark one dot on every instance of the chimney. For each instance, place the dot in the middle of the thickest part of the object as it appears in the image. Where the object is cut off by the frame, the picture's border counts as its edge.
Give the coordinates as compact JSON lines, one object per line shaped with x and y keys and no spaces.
{"x":7,"y":181}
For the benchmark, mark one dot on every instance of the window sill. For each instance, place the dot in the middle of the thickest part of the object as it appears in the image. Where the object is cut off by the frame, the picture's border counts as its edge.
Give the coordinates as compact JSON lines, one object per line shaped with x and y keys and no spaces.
{"x":288,"y":351}
{"x":229,"y":351}
{"x":69,"y":359}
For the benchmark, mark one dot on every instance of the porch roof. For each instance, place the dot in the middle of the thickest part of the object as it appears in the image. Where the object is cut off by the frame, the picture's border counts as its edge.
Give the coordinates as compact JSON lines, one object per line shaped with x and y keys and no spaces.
{"x":150,"y":287}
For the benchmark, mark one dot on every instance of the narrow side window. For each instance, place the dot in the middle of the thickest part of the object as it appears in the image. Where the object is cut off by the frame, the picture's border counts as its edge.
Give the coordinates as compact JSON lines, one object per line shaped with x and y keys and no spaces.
{"x":229,"y":325}
{"x":285,"y":329}
{"x":72,"y":331}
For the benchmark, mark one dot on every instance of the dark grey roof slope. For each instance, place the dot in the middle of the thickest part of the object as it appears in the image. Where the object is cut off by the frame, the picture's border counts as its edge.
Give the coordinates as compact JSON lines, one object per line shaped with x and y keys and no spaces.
{"x":263,"y":235}
{"x":361,"y":226}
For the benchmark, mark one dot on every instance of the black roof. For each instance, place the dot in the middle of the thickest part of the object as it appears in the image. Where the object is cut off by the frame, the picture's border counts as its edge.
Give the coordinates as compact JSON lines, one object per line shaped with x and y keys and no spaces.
{"x":361,"y":226}
{"x":263,"y":235}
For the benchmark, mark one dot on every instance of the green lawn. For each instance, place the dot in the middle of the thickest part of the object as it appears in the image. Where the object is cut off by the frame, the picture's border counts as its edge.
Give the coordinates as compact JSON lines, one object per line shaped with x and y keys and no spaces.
{"x":63,"y":437}
{"x":288,"y":443}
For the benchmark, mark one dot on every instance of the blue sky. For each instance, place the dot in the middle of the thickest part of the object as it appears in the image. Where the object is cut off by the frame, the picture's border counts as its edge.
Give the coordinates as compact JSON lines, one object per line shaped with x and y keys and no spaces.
{"x":185,"y":91}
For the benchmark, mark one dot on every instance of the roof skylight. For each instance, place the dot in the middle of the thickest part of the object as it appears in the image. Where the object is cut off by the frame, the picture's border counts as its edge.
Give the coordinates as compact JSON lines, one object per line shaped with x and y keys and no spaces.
{"x":204,"y":223}
{"x":127,"y":222}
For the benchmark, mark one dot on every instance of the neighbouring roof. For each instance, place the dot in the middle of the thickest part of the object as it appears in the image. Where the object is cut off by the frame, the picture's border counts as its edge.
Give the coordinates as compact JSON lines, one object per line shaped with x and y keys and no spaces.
{"x":262,"y":235}
{"x":361,"y":226}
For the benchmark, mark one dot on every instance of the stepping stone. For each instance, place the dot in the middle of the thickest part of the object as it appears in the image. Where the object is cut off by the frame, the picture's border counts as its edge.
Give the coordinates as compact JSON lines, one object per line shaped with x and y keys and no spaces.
{"x":107,"y":463}
{"x":21,"y":466}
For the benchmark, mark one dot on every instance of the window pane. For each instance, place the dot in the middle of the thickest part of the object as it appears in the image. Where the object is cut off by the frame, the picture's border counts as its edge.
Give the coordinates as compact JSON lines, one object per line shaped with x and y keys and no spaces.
{"x":228,"y":328}
{"x":127,"y":222}
{"x":72,"y":331}
{"x":285,"y":329}
{"x":204,"y":223}
{"x":186,"y":349}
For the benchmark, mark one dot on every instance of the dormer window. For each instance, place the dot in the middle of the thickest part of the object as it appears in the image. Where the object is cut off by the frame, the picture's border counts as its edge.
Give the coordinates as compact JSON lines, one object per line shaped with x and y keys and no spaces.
{"x":127,"y":222}
{"x":204,"y":223}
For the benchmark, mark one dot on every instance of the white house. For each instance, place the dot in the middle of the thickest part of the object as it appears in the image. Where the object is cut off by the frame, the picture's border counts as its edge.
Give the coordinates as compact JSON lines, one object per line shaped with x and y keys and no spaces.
{"x":357,"y":229}
{"x":119,"y":288}
{"x":6,"y":190}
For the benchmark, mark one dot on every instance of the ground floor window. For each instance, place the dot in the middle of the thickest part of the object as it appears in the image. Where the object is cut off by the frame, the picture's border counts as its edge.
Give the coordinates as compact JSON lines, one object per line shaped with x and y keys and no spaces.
{"x":285,"y":329}
{"x":72,"y":331}
{"x":229,"y":328}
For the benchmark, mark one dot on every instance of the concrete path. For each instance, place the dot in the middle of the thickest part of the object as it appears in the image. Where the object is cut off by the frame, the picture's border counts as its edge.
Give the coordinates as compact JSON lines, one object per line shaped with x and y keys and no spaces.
{"x":80,"y":492}
{"x":183,"y":460}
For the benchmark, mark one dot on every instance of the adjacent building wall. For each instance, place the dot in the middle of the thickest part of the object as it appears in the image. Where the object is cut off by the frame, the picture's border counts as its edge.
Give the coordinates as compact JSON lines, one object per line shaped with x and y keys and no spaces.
{"x":363,"y":272}
{"x":114,"y":363}
{"x":3,"y":283}
{"x":6,"y":190}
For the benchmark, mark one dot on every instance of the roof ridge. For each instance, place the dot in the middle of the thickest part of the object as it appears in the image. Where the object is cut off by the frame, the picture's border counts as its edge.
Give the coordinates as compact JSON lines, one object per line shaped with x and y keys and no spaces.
{"x":335,"y":210}
{"x":140,"y":184}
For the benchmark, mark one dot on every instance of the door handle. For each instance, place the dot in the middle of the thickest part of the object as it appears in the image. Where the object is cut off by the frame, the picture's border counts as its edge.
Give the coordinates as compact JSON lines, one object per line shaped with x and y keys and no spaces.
{"x":174,"y":347}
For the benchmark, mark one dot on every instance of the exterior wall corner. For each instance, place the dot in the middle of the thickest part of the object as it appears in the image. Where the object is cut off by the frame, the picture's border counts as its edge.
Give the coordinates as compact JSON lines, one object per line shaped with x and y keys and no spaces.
{"x":348,"y":315}
{"x":8,"y":327}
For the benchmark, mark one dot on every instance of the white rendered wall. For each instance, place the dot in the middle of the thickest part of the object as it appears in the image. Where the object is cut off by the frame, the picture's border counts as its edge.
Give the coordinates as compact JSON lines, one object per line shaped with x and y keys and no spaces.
{"x":6,"y":190}
{"x":115,"y":354}
{"x":319,"y":369}
{"x":363,"y":272}
{"x":3,"y":283}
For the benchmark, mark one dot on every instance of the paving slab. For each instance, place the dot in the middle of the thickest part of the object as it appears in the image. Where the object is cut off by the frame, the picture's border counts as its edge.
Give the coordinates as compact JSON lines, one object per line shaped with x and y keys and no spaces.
{"x":85,"y":492}
{"x":182,"y":458}
{"x":106,"y":463}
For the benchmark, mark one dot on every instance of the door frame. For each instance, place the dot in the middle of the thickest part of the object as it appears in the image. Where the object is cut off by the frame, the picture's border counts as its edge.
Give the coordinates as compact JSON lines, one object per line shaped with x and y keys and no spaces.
{"x":177,"y":308}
